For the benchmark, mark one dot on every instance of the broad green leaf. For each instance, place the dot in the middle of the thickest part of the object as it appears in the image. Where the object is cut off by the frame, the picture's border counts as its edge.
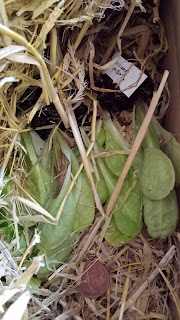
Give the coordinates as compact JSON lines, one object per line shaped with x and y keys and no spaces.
{"x":54,"y":258}
{"x":23,"y":246}
{"x":115,"y":162}
{"x":119,"y":143}
{"x":52,"y":235}
{"x":151,"y":139}
{"x":101,"y":188}
{"x":110,"y":128}
{"x":158,"y":176}
{"x":7,"y":231}
{"x":85,"y":208}
{"x":128,"y":210}
{"x":33,"y":285}
{"x":169,"y":146}
{"x":138,"y":163}
{"x":114,"y":236}
{"x":172,"y":149}
{"x":108,"y":176}
{"x":38,"y":181}
{"x":100,"y":139}
{"x":161,"y":216}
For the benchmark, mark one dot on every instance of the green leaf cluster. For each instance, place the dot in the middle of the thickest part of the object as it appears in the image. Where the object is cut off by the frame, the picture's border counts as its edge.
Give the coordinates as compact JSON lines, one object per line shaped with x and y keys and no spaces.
{"x":159,"y":173}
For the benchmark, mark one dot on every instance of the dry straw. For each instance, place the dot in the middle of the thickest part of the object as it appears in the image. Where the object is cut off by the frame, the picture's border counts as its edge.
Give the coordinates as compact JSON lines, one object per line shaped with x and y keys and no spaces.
{"x":60,"y":48}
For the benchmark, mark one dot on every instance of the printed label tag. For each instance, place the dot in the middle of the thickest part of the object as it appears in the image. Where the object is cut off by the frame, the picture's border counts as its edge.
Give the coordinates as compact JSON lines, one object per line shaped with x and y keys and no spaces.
{"x":125,"y":74}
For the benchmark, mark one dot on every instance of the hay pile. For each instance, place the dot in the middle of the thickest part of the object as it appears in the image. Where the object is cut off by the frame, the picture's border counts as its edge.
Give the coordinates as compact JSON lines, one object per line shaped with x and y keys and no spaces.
{"x":51,"y":57}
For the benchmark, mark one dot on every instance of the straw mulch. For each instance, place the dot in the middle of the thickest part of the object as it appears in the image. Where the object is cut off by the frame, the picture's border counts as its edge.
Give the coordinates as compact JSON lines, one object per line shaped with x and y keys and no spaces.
{"x":59,"y":50}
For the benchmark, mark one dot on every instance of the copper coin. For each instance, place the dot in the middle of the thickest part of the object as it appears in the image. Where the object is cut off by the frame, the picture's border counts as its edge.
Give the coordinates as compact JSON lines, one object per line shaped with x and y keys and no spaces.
{"x":95,"y":280}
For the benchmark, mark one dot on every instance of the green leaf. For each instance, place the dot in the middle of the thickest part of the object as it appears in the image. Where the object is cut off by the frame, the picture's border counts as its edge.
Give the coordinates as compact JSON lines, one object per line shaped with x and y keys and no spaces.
{"x":161,"y":216}
{"x":115,"y":162}
{"x":172,"y":149}
{"x":38,"y":181}
{"x":114,"y":236}
{"x":22,"y":241}
{"x":108,"y":176}
{"x":54,"y":258}
{"x":110,"y":128}
{"x":128,"y":210}
{"x":7,"y":231}
{"x":85,"y":208}
{"x":100,"y":139}
{"x":33,"y":285}
{"x":101,"y":187}
{"x":158,"y":177}
{"x":52,"y":235}
{"x":169,"y":146}
{"x":151,"y":139}
{"x":117,"y":142}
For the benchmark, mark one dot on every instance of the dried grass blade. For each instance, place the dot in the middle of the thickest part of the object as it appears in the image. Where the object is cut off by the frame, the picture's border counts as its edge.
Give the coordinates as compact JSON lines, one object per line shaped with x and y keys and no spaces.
{"x":97,"y":225}
{"x":108,"y":304}
{"x":18,"y":308}
{"x":11,"y":49}
{"x":65,"y":315}
{"x":4,"y":21}
{"x":27,"y":274}
{"x":35,"y":206}
{"x":162,"y":264}
{"x":48,"y":25}
{"x":173,"y":293}
{"x":125,"y":293}
{"x":49,"y":88}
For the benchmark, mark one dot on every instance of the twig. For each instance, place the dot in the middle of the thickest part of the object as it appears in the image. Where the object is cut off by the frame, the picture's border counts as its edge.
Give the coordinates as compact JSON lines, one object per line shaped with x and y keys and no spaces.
{"x":162,"y":264}
{"x":137,"y":143}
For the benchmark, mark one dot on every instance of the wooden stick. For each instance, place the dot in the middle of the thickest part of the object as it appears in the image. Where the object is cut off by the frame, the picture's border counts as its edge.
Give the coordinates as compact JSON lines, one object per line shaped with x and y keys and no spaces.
{"x":137,"y":143}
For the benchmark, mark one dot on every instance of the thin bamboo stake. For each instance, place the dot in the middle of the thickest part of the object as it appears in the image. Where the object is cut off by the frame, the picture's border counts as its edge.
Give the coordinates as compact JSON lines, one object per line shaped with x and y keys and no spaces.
{"x":137,"y":143}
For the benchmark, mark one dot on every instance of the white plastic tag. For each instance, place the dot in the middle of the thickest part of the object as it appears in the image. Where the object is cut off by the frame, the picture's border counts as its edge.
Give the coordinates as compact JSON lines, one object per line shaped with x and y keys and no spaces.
{"x":125,"y":74}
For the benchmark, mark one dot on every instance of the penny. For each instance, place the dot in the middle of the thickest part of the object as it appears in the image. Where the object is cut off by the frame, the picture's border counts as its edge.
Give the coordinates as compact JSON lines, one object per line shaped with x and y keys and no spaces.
{"x":95,"y":280}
